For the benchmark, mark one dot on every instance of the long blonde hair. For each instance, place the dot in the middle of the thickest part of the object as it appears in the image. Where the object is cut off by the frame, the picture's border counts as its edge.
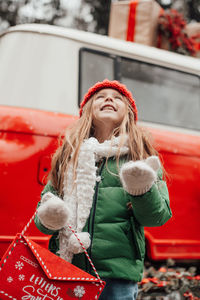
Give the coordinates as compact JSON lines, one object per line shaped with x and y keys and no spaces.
{"x":139,"y":143}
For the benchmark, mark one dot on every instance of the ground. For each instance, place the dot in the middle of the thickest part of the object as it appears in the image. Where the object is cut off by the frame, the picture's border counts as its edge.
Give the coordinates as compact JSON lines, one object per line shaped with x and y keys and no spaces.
{"x":170,"y":281}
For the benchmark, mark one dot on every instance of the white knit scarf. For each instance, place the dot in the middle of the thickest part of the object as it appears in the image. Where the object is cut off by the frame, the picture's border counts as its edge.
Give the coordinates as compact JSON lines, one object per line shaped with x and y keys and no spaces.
{"x":79,"y":200}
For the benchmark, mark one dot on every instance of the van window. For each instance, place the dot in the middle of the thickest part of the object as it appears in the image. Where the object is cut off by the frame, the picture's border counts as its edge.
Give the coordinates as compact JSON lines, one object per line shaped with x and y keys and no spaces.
{"x":94,"y":67}
{"x":162,"y":95}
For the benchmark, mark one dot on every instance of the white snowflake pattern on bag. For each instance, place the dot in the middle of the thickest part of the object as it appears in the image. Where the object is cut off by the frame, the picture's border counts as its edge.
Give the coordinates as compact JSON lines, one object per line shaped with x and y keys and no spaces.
{"x":10,"y":279}
{"x":19,"y":265}
{"x":21,"y":277}
{"x":79,"y":291}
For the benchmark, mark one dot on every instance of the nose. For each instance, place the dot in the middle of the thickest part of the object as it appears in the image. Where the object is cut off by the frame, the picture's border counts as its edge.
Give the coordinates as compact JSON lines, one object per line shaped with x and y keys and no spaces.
{"x":109,"y":98}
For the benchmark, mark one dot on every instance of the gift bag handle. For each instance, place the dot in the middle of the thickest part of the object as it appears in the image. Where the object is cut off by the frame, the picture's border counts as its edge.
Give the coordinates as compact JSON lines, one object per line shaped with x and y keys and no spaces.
{"x":86,"y":253}
{"x":74,"y":232}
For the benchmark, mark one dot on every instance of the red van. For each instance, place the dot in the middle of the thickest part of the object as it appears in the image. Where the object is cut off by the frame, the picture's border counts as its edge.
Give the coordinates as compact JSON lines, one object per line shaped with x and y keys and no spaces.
{"x":45,"y":70}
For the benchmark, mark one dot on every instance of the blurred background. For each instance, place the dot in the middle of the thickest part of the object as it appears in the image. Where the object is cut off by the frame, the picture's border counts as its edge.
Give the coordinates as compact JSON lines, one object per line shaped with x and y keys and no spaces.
{"x":172,"y":78}
{"x":87,"y":15}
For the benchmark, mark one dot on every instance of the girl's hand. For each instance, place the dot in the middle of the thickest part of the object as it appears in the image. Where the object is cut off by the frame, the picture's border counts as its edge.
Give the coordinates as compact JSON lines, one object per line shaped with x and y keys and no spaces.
{"x":137,"y":177}
{"x":52,"y":212}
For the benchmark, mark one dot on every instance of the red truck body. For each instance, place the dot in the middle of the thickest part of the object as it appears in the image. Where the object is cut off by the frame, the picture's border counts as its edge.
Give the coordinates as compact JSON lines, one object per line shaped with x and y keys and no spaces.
{"x":28,"y":138}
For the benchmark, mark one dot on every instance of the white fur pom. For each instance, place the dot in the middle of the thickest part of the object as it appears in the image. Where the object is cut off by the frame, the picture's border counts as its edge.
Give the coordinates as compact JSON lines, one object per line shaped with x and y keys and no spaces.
{"x":74,"y":246}
{"x":53,"y":212}
{"x":154,"y":162}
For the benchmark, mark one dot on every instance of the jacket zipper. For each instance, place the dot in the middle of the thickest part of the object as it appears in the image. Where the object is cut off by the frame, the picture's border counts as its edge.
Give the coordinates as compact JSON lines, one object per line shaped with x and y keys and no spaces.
{"x":91,"y":226}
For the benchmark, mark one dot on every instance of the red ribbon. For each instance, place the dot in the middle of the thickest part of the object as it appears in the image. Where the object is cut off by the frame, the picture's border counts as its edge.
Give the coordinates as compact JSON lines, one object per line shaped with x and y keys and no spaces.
{"x":131,"y":21}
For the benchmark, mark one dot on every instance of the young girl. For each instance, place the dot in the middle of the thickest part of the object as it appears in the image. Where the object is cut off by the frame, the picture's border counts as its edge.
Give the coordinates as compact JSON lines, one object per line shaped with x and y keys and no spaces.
{"x":106,"y":182}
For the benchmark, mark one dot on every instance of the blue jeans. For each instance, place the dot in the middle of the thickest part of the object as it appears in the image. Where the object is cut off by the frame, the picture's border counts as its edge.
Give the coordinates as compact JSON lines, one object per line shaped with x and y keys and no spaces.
{"x":117,"y":289}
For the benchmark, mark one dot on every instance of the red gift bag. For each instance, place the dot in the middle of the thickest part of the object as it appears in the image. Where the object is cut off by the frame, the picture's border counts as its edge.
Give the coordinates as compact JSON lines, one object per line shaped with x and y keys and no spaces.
{"x":29,"y":271}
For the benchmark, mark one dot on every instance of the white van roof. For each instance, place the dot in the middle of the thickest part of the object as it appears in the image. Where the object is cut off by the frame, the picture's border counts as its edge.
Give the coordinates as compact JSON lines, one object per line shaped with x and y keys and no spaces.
{"x":118,"y":47}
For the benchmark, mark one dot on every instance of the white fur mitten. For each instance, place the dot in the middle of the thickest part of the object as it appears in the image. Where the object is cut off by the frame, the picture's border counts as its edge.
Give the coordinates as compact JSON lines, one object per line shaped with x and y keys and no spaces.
{"x":52,"y":212}
{"x":74,"y":246}
{"x":137,"y":177}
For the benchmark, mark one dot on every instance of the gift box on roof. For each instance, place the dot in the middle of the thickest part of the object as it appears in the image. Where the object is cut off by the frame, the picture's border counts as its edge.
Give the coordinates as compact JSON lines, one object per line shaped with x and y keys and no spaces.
{"x":193,"y":31}
{"x":28,"y":271}
{"x":135,"y":21}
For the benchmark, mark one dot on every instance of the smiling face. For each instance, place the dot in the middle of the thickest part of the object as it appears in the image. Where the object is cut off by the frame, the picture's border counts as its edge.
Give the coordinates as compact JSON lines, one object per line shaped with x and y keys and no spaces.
{"x":108,"y":109}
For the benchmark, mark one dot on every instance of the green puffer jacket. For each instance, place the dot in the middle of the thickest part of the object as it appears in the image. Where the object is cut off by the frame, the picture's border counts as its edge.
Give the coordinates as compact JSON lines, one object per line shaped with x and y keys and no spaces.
{"x":117,"y":236}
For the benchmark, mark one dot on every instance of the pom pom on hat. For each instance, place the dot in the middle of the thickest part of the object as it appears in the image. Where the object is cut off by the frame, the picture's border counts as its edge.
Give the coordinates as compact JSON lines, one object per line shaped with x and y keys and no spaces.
{"x":116,"y":85}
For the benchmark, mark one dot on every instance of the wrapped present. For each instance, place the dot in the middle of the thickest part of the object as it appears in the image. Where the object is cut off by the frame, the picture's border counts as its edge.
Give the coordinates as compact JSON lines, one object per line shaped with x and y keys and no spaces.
{"x":135,"y":21}
{"x":29,"y":271}
{"x":193,"y":31}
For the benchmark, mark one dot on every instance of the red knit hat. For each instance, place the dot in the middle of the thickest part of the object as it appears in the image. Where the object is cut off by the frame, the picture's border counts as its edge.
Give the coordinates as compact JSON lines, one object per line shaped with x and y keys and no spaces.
{"x":116,"y":85}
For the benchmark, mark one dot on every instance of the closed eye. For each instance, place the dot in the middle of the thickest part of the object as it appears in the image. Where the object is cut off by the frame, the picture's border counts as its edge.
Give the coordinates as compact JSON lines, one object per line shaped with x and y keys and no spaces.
{"x":118,"y":97}
{"x":99,"y":96}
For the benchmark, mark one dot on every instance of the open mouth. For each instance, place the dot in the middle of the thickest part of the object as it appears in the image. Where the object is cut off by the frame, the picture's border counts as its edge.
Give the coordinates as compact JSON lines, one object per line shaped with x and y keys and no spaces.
{"x":108,"y":107}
